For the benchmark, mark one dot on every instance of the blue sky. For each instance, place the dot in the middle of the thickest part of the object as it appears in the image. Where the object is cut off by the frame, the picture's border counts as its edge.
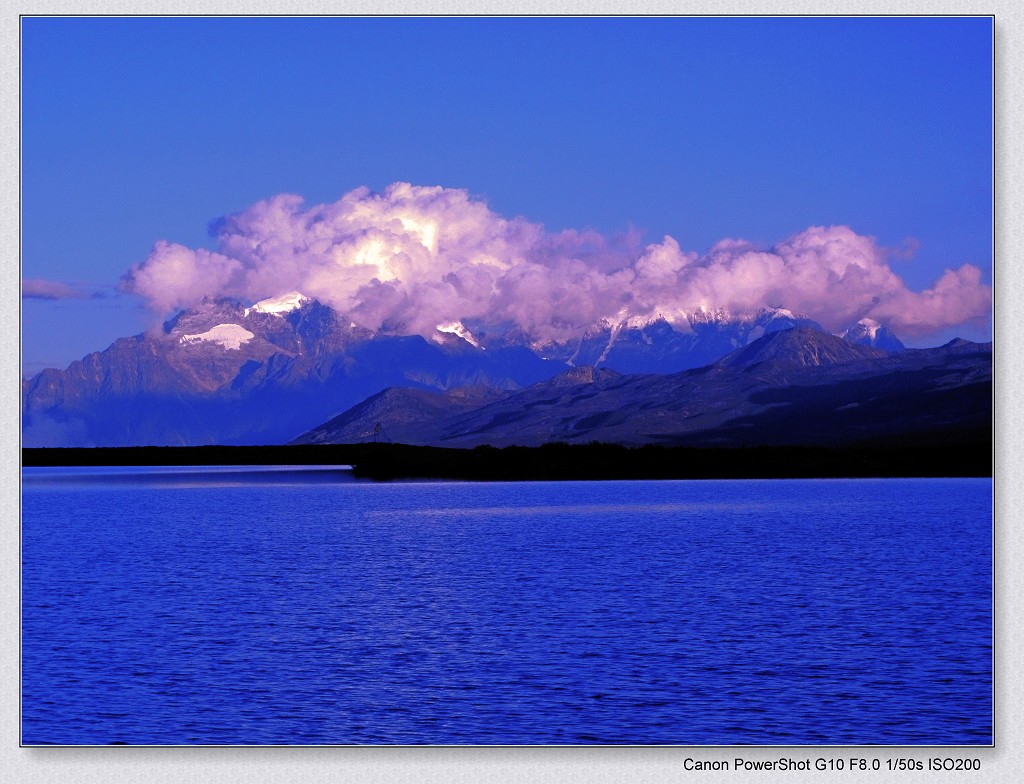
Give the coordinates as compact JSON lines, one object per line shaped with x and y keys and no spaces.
{"x":136,"y":130}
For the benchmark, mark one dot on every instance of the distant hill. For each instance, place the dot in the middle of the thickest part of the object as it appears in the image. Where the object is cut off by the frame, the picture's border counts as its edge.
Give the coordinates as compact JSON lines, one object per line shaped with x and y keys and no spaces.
{"x":798,"y":386}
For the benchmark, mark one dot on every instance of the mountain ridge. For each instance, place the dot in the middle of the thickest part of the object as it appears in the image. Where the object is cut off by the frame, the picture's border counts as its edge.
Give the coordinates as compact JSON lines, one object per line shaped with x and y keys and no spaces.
{"x":793,"y":387}
{"x":221,"y":372}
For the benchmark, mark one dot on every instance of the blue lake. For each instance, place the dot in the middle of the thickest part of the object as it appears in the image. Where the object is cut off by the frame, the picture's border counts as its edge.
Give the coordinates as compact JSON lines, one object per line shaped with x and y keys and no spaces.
{"x":252,"y":606}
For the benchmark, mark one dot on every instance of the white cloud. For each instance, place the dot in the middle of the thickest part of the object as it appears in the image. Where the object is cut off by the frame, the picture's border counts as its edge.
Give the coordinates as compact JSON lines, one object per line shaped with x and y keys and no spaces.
{"x":413,"y":257}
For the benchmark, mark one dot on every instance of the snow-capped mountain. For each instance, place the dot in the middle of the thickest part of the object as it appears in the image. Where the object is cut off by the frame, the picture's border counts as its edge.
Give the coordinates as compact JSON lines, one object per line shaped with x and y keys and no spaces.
{"x":224,"y":373}
{"x":654,"y":345}
{"x":868,"y":332}
{"x":232,"y":373}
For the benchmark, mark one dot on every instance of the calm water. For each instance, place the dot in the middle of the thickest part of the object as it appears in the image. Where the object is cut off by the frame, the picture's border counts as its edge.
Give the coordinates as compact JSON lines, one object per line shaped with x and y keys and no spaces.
{"x":249,"y":606}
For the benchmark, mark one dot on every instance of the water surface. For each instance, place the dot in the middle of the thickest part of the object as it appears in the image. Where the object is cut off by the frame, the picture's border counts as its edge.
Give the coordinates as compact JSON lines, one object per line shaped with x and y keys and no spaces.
{"x":249,"y":606}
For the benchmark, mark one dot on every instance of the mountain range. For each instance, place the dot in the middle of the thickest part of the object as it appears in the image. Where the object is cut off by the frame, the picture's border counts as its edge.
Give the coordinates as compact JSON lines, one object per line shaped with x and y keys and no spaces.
{"x":793,"y":387}
{"x":291,"y":368}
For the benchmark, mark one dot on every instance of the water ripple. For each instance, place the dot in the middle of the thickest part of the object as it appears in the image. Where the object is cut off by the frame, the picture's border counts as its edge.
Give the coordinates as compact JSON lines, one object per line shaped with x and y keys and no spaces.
{"x":704,"y":613}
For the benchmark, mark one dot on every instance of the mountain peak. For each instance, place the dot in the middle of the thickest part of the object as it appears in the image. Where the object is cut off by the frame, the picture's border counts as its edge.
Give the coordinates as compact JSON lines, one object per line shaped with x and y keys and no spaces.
{"x":446,"y":332}
{"x":204,"y":315}
{"x":584,"y":374}
{"x":961,"y":346}
{"x":279,"y":305}
{"x":868,"y":332}
{"x":799,"y":347}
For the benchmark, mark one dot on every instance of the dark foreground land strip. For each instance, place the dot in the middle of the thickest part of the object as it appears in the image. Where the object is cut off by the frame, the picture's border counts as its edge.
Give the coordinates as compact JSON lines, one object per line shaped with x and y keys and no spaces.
{"x":560,"y":461}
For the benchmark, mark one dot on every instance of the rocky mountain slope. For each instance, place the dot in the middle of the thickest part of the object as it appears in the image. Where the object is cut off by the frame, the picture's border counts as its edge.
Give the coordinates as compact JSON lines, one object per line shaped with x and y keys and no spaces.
{"x":222,"y":373}
{"x":799,"y":386}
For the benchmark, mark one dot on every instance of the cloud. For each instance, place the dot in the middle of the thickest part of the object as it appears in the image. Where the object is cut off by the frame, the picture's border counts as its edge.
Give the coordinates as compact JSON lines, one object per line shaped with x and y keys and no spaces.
{"x":906,"y":250}
{"x":38,"y":288}
{"x":411,"y":258}
{"x":175,"y":276}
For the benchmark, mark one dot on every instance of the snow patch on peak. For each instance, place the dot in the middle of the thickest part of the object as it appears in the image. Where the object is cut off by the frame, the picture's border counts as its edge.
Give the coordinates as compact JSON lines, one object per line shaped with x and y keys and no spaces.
{"x":456,"y":328}
{"x":868,"y":332}
{"x":865,"y":329}
{"x":597,"y":329}
{"x":706,"y":315}
{"x":293,"y":300}
{"x":871,"y":326}
{"x":611,"y":341}
{"x":230,"y":336}
{"x":642,"y":322}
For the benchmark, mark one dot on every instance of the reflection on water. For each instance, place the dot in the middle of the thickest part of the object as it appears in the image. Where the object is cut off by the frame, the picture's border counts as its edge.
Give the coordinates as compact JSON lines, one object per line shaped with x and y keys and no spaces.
{"x":187,"y":476}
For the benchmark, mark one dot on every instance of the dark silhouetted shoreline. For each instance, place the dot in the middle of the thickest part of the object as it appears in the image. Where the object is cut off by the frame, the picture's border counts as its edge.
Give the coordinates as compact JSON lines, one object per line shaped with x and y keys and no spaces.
{"x":971,"y":457}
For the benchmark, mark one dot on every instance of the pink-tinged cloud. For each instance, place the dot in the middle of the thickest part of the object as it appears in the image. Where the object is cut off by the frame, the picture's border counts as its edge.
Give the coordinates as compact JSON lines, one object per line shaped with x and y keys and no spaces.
{"x":38,"y":288}
{"x":175,"y":276}
{"x":411,"y":258}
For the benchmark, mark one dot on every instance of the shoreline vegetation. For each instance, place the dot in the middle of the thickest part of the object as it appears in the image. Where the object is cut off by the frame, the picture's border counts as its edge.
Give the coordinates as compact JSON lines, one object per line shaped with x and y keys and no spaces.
{"x":560,"y":461}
